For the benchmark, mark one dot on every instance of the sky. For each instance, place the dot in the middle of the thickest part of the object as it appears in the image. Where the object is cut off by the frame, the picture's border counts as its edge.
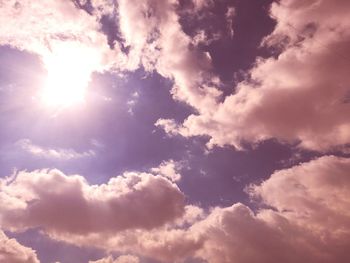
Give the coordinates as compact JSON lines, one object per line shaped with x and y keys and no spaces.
{"x":174,"y":131}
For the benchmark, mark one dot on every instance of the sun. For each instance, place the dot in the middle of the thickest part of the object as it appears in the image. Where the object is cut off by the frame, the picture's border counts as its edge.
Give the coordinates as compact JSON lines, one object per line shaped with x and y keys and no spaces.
{"x":69,"y":67}
{"x":63,"y":87}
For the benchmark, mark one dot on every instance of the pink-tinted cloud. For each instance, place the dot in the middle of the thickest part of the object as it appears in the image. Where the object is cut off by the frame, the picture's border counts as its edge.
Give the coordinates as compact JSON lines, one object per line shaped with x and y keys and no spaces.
{"x":303,"y":217}
{"x":48,"y":153}
{"x":120,"y":259}
{"x":299,"y":97}
{"x":67,"y":39}
{"x":308,"y":220}
{"x":201,"y":4}
{"x":68,"y":204}
{"x":236,"y":234}
{"x":103,"y":7}
{"x":13,"y":252}
{"x":168,"y":169}
{"x":43,"y":26}
{"x":314,"y":195}
{"x":149,"y":29}
{"x":152,"y":31}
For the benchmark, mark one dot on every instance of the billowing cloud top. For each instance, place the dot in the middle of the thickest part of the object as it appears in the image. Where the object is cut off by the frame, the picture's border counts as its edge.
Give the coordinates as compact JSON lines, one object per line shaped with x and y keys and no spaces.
{"x":307,"y":221}
{"x":12,"y":251}
{"x":300,"y":96}
{"x":67,"y":204}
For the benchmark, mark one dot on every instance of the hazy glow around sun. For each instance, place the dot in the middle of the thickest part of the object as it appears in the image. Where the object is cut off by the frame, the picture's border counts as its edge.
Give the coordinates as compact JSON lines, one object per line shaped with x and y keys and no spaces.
{"x":69,"y":67}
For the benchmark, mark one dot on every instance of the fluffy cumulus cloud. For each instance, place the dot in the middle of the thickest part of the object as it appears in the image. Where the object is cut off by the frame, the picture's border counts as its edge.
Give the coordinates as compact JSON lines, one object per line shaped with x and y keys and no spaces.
{"x":314,"y":195}
{"x":236,"y":234}
{"x":301,"y":96}
{"x":13,"y":252}
{"x":303,"y":216}
{"x":62,"y":204}
{"x":308,"y":222}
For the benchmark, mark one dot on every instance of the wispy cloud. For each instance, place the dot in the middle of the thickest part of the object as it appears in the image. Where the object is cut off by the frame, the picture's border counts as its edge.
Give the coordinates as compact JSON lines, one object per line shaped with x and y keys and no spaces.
{"x":51,"y":153}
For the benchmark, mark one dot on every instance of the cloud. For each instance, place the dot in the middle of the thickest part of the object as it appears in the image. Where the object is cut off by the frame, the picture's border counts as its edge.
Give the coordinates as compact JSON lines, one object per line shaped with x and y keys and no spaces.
{"x":152,"y":31}
{"x":149,"y":32}
{"x":132,"y":102}
{"x":42,"y":26}
{"x":169,"y":126}
{"x":61,"y":154}
{"x":61,"y":204}
{"x":202,"y":38}
{"x":201,"y":4}
{"x":120,"y":259}
{"x":67,"y":39}
{"x":230,"y":15}
{"x":301,"y":96}
{"x":168,"y":169}
{"x":13,"y":252}
{"x":104,"y":7}
{"x":236,"y":234}
{"x":312,"y":105}
{"x":165,"y":244}
{"x":314,"y":195}
{"x":302,"y":216}
{"x":307,"y":219}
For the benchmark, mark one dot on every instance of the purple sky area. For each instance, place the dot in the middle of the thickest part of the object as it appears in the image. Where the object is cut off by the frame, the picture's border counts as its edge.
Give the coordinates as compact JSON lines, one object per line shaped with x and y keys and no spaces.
{"x":150,"y":131}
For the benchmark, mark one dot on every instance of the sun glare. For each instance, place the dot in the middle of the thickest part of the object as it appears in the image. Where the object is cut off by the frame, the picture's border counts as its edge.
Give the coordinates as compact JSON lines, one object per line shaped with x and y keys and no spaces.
{"x":69,"y":67}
